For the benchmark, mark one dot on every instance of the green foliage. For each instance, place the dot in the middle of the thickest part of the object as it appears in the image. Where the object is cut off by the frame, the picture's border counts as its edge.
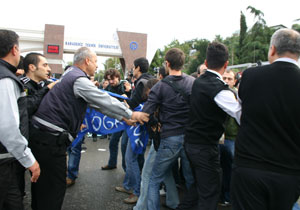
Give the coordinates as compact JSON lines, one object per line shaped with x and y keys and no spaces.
{"x":113,"y":63}
{"x":233,"y":48}
{"x":247,"y":46}
{"x":99,"y":76}
{"x":256,"y":42}
{"x":296,"y":27}
{"x":157,"y":61}
{"x":200,"y":46}
{"x":243,"y":32}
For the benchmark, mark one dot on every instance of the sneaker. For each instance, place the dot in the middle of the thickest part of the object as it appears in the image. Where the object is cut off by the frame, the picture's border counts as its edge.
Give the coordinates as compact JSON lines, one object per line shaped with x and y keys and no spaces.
{"x":122,"y":189}
{"x":107,"y":167}
{"x":69,"y":182}
{"x":131,"y":199}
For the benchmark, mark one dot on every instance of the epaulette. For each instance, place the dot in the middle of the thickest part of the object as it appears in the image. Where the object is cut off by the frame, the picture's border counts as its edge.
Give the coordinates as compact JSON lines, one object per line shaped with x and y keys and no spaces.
{"x":25,"y":80}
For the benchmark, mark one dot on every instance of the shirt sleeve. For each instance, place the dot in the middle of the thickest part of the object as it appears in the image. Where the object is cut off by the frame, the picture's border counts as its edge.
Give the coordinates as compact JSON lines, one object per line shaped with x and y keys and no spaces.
{"x":11,"y":137}
{"x":226,"y":100}
{"x":100,"y":100}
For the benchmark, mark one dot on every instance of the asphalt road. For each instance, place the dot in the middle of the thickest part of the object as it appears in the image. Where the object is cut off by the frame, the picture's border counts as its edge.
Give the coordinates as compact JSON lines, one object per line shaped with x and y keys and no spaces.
{"x":94,"y":189}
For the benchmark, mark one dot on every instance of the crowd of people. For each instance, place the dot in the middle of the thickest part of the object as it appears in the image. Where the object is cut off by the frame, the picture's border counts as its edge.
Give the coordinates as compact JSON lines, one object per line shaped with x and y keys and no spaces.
{"x":233,"y":141}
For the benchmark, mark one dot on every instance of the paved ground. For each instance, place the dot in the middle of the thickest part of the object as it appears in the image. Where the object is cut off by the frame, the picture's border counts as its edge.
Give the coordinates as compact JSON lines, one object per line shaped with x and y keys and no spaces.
{"x":94,"y":189}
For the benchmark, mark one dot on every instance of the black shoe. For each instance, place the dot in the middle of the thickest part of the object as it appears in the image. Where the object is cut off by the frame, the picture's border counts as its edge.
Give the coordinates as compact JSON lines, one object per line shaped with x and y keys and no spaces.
{"x":107,"y":167}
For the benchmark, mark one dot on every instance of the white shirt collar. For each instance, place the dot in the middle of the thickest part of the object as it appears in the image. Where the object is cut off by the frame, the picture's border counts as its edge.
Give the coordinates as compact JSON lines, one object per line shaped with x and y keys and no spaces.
{"x":218,"y":74}
{"x":289,"y":60}
{"x":214,"y":72}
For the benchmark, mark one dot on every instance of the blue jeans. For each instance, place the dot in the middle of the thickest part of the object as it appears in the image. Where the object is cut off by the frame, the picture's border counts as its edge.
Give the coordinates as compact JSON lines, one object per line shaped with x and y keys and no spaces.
{"x":74,"y":160}
{"x":172,"y":199}
{"x":114,"y":148}
{"x":132,"y":178}
{"x":226,"y":159}
{"x":170,"y":149}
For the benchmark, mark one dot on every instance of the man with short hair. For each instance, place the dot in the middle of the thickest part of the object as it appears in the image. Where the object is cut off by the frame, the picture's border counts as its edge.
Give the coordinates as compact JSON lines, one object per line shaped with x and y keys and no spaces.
{"x":14,"y":152}
{"x":162,"y":73}
{"x":173,"y":113}
{"x":230,"y":78}
{"x":37,"y":71}
{"x":57,"y":121}
{"x":211,"y":101}
{"x":115,"y":86}
{"x":267,"y":146}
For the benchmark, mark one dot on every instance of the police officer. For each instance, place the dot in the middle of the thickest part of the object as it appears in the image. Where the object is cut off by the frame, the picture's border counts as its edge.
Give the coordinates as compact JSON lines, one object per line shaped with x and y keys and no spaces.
{"x":14,"y":152}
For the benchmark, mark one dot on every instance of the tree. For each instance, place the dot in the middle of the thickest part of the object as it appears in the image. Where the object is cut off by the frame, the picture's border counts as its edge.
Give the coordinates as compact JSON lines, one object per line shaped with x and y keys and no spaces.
{"x":157,"y":61}
{"x":256,"y":42}
{"x":201,"y":46}
{"x":296,"y":27}
{"x":114,"y":63}
{"x":99,"y":76}
{"x":257,"y":14}
{"x":243,"y":33}
{"x":233,"y":48}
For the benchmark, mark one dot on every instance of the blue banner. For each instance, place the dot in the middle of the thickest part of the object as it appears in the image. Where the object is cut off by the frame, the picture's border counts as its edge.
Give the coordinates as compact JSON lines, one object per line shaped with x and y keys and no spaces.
{"x":99,"y":123}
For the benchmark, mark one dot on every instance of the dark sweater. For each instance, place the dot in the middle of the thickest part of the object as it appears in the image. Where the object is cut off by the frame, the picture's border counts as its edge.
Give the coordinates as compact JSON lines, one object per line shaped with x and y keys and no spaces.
{"x":137,"y":94}
{"x":174,"y":108}
{"x":206,"y":119}
{"x":269,"y":136}
{"x":34,"y":94}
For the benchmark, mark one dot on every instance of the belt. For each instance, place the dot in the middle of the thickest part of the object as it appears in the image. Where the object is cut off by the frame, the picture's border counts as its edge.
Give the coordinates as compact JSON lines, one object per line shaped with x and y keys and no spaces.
{"x":52,"y":126}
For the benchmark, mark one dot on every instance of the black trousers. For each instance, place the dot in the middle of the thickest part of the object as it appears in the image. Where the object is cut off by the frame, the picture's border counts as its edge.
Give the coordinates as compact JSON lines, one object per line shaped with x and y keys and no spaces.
{"x":11,"y":197}
{"x":205,"y":164}
{"x":253,"y":189}
{"x":49,"y":191}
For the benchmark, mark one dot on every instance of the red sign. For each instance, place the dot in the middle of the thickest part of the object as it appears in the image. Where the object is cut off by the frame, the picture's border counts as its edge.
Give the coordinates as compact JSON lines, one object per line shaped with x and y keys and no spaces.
{"x":53,"y":49}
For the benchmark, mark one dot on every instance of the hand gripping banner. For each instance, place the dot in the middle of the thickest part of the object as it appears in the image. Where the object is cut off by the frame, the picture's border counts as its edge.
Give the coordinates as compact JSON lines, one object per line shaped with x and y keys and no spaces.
{"x":99,"y":123}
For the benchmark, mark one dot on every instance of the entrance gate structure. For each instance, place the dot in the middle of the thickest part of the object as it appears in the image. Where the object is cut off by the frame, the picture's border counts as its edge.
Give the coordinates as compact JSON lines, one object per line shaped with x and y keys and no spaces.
{"x":53,"y":43}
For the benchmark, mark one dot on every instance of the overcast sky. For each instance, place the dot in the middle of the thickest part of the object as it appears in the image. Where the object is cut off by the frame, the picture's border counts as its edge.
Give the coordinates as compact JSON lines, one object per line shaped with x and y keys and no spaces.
{"x":162,"y":20}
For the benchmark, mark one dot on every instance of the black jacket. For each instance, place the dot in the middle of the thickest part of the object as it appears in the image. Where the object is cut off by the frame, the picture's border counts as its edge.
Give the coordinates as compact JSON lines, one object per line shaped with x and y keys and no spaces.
{"x":137,"y":93}
{"x":268,"y":138}
{"x":8,"y":71}
{"x":174,"y":108}
{"x":206,"y":118}
{"x":119,"y":89}
{"x":34,"y":94}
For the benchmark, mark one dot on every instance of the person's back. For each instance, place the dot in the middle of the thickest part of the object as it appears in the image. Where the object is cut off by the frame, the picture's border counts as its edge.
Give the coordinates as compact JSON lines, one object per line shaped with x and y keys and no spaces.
{"x":267,"y":145}
{"x":171,"y":95}
{"x":174,"y":108}
{"x":206,"y":117}
{"x":270,"y":113}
